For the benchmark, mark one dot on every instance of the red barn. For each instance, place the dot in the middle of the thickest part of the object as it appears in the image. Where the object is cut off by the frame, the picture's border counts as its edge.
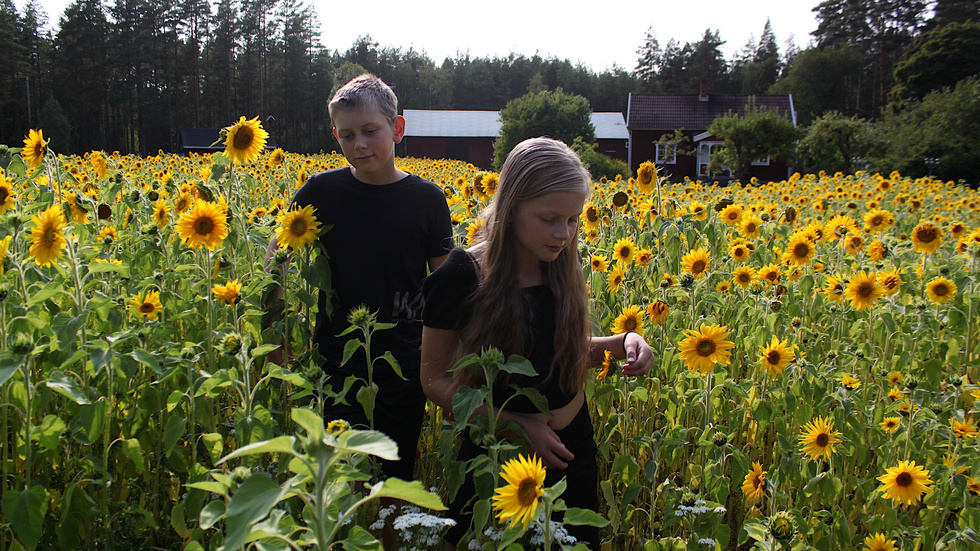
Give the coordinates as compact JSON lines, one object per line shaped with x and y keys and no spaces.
{"x":469,"y":135}
{"x":651,"y":116}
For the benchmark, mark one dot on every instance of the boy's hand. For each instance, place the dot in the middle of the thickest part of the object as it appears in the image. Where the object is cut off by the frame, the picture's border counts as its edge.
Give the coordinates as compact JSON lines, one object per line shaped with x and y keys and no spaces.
{"x":639,"y":356}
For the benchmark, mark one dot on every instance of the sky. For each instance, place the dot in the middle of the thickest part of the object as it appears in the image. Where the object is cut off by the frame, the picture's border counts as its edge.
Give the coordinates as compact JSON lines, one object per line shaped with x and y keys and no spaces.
{"x":596,"y":34}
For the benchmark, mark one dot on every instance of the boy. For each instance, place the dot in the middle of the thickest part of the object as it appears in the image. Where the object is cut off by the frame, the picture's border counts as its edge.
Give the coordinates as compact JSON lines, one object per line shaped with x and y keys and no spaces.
{"x":388,"y":228}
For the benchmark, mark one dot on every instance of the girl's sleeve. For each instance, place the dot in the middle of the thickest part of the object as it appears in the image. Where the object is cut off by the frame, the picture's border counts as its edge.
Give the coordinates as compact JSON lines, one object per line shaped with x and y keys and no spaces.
{"x":447,"y":292}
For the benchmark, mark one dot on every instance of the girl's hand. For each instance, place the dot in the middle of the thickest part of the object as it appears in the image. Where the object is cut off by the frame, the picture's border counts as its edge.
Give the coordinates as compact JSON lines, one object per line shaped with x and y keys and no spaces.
{"x":639,"y":356}
{"x":544,"y":442}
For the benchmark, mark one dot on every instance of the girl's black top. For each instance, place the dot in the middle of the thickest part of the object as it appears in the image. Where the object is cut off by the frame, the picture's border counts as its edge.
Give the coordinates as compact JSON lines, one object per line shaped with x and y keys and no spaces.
{"x":448,"y":294}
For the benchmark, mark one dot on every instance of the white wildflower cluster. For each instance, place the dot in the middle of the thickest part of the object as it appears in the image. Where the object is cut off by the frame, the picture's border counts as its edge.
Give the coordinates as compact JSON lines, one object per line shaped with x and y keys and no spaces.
{"x":535,"y":535}
{"x":707,"y":541}
{"x":697,"y":509}
{"x":383,"y":513}
{"x":415,"y":529}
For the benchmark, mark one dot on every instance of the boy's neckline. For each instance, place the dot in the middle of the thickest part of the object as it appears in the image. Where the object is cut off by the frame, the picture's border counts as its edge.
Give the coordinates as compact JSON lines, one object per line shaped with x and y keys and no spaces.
{"x":398,"y":176}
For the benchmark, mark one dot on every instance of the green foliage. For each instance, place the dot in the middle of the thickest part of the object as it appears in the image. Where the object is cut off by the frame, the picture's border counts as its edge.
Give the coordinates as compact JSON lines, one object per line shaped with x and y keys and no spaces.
{"x":833,"y":141}
{"x":944,"y":125}
{"x":599,"y":165}
{"x":555,"y":114}
{"x":759,"y":134}
{"x":938,"y":59}
{"x":820,"y":80}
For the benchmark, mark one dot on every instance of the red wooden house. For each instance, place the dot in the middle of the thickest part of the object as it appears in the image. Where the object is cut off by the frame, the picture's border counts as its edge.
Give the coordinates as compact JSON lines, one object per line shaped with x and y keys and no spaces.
{"x":651,"y":116}
{"x":469,"y":135}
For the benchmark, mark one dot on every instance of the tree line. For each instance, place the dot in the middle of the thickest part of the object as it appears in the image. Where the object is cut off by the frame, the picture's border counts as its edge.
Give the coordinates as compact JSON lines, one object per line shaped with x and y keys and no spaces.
{"x":127,"y":75}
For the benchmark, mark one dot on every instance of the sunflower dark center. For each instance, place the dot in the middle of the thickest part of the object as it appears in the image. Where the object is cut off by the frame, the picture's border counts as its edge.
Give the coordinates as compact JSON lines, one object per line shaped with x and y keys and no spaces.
{"x":630,"y":324}
{"x":801,"y":250}
{"x":592,"y":214}
{"x":620,"y":198}
{"x":146,"y":307}
{"x":773,"y":357}
{"x":940,"y":290}
{"x":298,"y":227}
{"x":822,"y":439}
{"x":698,"y":266}
{"x":48,"y":237}
{"x":772,"y":276}
{"x":204,"y":226}
{"x":243,"y":138}
{"x":927,"y":235}
{"x":705,"y":347}
{"x":527,"y":492}
{"x":3,"y":194}
{"x":744,"y":277}
{"x":750,"y":228}
{"x":904,"y":479}
{"x":865,"y":289}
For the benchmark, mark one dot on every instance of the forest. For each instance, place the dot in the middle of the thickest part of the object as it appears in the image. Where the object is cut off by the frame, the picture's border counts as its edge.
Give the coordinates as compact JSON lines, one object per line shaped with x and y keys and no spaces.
{"x":127,"y":75}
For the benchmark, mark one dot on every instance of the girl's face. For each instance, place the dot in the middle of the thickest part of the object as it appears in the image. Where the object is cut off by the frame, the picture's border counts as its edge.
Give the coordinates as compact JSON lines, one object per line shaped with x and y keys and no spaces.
{"x":544,"y":226}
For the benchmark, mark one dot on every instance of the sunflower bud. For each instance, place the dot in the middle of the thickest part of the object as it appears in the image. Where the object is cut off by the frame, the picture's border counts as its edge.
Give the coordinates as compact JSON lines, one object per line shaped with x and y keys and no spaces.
{"x":492,"y":358}
{"x":796,"y":322}
{"x":187,"y":352}
{"x":687,"y":281}
{"x":782,"y":526}
{"x":337,"y":426}
{"x":231,"y":344}
{"x":281,"y":256}
{"x":720,"y":439}
{"x":153,"y":195}
{"x":21,"y":344}
{"x":688,"y":498}
{"x":360,"y":316}
{"x":240,"y":474}
{"x":134,"y":195}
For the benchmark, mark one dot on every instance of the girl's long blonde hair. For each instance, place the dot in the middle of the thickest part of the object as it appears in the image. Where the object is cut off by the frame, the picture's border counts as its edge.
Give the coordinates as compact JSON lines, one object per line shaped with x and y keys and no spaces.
{"x":535,"y":167}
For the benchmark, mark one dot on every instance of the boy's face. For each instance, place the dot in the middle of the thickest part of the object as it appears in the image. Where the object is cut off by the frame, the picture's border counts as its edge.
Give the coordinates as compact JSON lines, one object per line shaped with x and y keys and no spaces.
{"x":368,"y":141}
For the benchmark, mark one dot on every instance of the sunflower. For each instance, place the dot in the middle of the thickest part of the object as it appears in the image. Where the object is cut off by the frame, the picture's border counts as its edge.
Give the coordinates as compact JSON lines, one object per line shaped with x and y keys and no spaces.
{"x":754,"y":485}
{"x":230,"y":292}
{"x":183,"y":202}
{"x":800,"y":249}
{"x":518,"y":500}
{"x":605,"y":366}
{"x":740,"y":252}
{"x":630,"y":320}
{"x":723,"y":286}
{"x":890,"y":424}
{"x":4,"y":247}
{"x":890,"y":281}
{"x":863,"y":290}
{"x":906,"y":483}
{"x":940,"y":290}
{"x":895,"y":394}
{"x":743,"y":276}
{"x":643,"y":257}
{"x":590,"y":217}
{"x":108,"y":235}
{"x":877,"y":251}
{"x":878,"y":220}
{"x":7,"y":196}
{"x":646,"y":177}
{"x":965,"y":429}
{"x":297,"y":227}
{"x":957,"y":228}
{"x":47,"y":237}
{"x":695,"y":262}
{"x":658,"y":311}
{"x":35,"y":146}
{"x":776,"y":356}
{"x":926,"y":238}
{"x":161,"y":212}
{"x":148,"y":306}
{"x":879,"y":542}
{"x":731,"y":215}
{"x":600,"y":263}
{"x":973,"y":485}
{"x":895,"y":378}
{"x":474,"y":231}
{"x":853,"y":243}
{"x":839,"y":226}
{"x":749,"y":226}
{"x":245,"y":140}
{"x":818,"y":438}
{"x":699,"y":211}
{"x":624,"y":250}
{"x":769,"y":273}
{"x":701,"y":349}
{"x":205,"y":225}
{"x":849,"y":381}
{"x":667,"y":281}
{"x":616,"y":277}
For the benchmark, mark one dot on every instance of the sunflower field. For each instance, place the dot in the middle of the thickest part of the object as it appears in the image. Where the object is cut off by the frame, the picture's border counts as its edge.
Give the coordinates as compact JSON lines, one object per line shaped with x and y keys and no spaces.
{"x":815,"y":384}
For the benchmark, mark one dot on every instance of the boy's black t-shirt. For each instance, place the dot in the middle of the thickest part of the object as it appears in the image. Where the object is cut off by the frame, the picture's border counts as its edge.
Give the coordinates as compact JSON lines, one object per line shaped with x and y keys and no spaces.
{"x":379,"y":242}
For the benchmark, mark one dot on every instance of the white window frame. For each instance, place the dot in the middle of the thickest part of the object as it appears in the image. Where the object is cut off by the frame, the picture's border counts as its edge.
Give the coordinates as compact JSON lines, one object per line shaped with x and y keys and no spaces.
{"x":705,"y":149}
{"x":764,"y":162}
{"x":662,"y":158}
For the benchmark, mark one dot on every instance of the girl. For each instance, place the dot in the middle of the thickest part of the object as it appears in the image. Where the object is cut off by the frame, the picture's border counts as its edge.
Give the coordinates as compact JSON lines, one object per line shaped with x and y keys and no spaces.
{"x":521,"y":289}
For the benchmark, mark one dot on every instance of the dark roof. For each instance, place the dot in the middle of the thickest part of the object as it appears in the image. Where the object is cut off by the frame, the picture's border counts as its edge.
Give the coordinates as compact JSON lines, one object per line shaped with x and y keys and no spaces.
{"x":200,"y":139}
{"x":687,"y":111}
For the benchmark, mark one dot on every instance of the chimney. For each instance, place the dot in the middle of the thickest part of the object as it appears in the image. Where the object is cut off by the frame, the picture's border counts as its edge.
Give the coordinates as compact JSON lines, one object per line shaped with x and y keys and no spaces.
{"x":703,"y":96}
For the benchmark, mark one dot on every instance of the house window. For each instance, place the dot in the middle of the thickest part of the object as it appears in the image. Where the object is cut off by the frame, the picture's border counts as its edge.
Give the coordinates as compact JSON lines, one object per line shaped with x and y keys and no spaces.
{"x":666,"y":154}
{"x":705,"y":149}
{"x":763,"y":162}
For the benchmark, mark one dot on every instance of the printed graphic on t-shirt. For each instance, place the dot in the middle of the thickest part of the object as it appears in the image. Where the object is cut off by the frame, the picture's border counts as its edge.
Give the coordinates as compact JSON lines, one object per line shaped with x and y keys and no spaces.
{"x":407,"y":306}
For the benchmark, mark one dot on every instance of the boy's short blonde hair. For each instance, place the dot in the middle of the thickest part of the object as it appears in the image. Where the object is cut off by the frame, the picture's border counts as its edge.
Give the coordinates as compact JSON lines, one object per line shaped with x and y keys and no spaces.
{"x":365,"y":92}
